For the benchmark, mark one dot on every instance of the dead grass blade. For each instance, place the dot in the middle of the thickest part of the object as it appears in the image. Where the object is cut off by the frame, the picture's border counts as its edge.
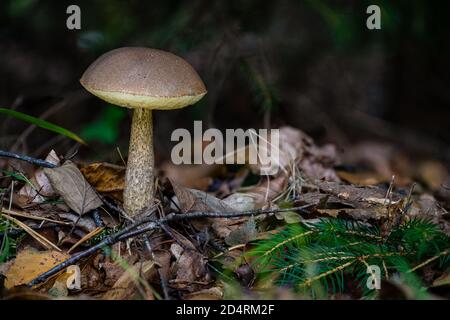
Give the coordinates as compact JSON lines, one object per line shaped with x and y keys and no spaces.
{"x":29,"y":216}
{"x":39,"y":238}
{"x":90,"y":235}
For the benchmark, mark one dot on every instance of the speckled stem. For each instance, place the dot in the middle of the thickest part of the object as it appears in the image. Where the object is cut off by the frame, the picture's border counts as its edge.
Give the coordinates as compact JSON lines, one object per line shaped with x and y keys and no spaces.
{"x":138,"y":193}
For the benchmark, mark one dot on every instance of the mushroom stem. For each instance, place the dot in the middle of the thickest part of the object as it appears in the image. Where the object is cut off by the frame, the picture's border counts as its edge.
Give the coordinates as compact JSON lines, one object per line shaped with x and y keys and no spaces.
{"x":138,"y":193}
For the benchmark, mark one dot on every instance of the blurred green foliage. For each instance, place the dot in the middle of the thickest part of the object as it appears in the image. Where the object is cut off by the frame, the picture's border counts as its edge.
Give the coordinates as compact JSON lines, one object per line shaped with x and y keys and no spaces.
{"x":106,"y":128}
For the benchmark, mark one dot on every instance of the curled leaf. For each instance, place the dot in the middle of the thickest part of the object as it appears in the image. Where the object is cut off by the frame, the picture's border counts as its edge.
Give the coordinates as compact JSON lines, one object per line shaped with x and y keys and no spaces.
{"x":70,"y":183}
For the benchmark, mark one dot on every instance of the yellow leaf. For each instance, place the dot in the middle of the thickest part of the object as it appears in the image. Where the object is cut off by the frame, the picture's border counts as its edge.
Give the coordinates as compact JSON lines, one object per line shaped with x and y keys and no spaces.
{"x":30,"y":263}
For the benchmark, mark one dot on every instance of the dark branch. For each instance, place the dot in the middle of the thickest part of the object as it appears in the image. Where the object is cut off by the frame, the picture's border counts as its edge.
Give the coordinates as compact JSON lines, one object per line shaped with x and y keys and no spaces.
{"x":153,"y":224}
{"x":38,"y":162}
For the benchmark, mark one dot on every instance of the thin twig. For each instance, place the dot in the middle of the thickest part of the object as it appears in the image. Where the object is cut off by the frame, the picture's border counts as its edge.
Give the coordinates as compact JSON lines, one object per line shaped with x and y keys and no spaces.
{"x":38,"y":162}
{"x":129,"y":232}
{"x":75,"y":258}
{"x":161,"y":276}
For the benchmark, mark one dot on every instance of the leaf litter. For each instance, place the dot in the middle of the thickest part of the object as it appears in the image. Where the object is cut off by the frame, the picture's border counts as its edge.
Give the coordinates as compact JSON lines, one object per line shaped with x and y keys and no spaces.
{"x":192,"y":259}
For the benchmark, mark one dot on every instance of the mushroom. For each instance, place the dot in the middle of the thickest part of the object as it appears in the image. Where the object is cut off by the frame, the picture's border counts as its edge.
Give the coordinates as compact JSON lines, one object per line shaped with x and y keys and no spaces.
{"x":142,"y":79}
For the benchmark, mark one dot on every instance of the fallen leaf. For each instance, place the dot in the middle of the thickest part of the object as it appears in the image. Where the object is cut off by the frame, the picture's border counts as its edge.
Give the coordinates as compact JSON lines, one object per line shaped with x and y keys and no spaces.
{"x":214,"y":293}
{"x":240,"y":201}
{"x":181,"y":239}
{"x":125,"y":286}
{"x":106,"y":178}
{"x":192,"y":176}
{"x":195,"y":200}
{"x":244,"y":234}
{"x":92,"y":277}
{"x":224,"y":226}
{"x":358,"y":202}
{"x":162,"y":259}
{"x":296,"y":147}
{"x":77,"y":193}
{"x":41,"y":186}
{"x":112,"y":270}
{"x":190,"y":268}
{"x":426,"y":206}
{"x":85,"y":223}
{"x":191,"y":200}
{"x":267,"y":190}
{"x":361,"y":178}
{"x":30,"y":263}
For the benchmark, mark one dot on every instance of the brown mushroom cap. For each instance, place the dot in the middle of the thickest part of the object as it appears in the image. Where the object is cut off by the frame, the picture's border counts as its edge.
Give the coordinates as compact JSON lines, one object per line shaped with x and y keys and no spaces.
{"x":136,"y":77}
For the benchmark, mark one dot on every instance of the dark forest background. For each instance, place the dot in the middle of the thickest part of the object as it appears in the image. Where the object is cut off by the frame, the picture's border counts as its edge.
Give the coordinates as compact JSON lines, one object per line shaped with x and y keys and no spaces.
{"x":310,"y":64}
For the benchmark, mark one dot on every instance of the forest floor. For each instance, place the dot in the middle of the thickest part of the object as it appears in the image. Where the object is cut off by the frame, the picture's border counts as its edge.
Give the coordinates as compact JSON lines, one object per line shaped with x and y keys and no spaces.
{"x":370,"y":224}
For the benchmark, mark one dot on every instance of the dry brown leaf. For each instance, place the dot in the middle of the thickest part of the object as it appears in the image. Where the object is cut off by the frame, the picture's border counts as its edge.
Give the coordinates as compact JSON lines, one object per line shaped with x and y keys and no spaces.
{"x":267,"y":190}
{"x":297,"y":147}
{"x":91,"y":277}
{"x":106,"y":178}
{"x":162,"y":259}
{"x":41,"y":185}
{"x":195,"y":200}
{"x":353,"y":193}
{"x":361,"y":178}
{"x":181,"y":239}
{"x":240,"y":201}
{"x":77,"y":193}
{"x":245,"y":233}
{"x":30,"y":263}
{"x":111,"y":269}
{"x":214,"y":293}
{"x":359,"y":202}
{"x":190,"y":267}
{"x":224,"y":226}
{"x":192,"y":176}
{"x":426,"y":206}
{"x":125,"y":286}
{"x":85,"y":223}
